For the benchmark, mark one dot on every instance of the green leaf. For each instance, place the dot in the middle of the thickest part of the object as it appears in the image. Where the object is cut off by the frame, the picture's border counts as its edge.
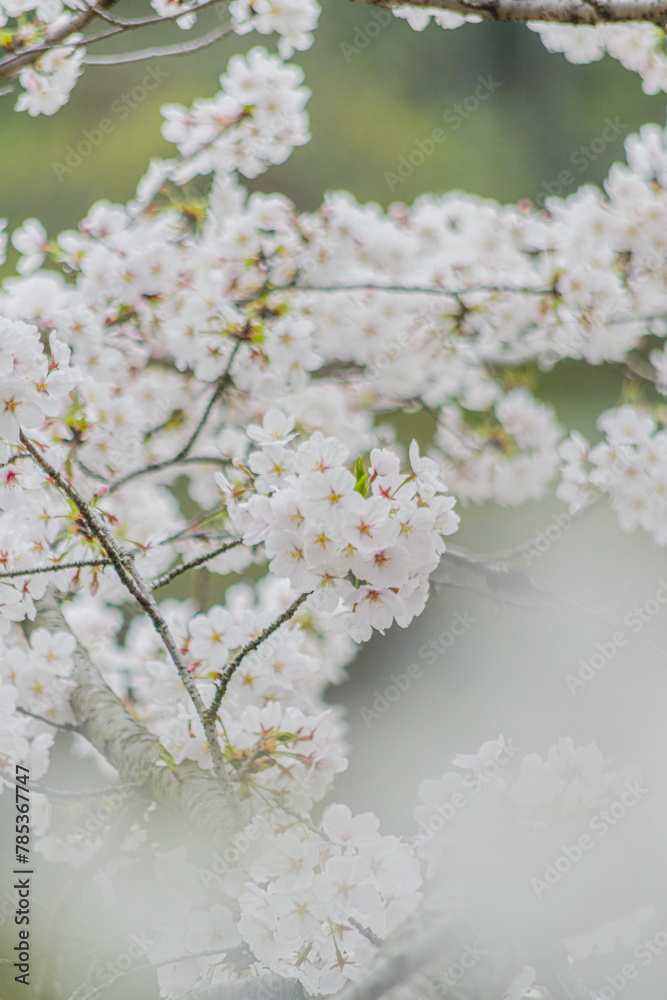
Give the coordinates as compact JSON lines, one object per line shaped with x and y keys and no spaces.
{"x":360,"y":476}
{"x":168,"y":759}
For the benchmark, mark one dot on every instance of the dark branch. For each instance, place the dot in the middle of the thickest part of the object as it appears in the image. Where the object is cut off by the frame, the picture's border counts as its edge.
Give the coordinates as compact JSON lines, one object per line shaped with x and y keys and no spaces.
{"x":573,"y":12}
{"x":67,"y":727}
{"x":162,"y":581}
{"x":229,"y":671}
{"x":123,"y":563}
{"x":55,"y":568}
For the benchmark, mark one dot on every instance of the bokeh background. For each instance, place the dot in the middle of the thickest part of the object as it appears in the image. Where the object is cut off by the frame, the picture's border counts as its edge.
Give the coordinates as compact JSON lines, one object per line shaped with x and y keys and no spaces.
{"x":371,"y":103}
{"x":368,"y":108}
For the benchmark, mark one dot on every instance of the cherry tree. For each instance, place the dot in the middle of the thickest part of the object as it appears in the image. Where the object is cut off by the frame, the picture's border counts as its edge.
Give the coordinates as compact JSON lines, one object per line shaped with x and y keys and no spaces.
{"x":234,"y":356}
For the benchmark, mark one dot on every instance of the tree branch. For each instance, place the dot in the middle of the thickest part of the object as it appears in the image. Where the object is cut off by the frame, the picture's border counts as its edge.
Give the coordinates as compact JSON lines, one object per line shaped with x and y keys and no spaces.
{"x":135,"y":753}
{"x":182,"y":49}
{"x":229,"y":670}
{"x":159,"y":466}
{"x":392,"y":969}
{"x":10,"y":65}
{"x":575,"y":12}
{"x":143,"y":22}
{"x":80,"y":793}
{"x":223,"y":382}
{"x":55,"y":568}
{"x":123,"y":563}
{"x":256,"y":988}
{"x":66,"y":727}
{"x":162,"y":581}
{"x":413,"y":289}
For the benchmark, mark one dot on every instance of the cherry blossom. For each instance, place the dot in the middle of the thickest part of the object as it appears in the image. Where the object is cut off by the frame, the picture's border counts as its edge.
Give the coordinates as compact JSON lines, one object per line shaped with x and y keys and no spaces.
{"x":209,"y":386}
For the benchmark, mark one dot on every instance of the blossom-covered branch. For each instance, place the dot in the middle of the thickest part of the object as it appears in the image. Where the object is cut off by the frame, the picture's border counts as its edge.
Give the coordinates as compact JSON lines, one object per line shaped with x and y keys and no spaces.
{"x":135,"y":753}
{"x":47,"y":45}
{"x":123,"y":563}
{"x":229,"y":670}
{"x":212,"y":382}
{"x":569,"y":12}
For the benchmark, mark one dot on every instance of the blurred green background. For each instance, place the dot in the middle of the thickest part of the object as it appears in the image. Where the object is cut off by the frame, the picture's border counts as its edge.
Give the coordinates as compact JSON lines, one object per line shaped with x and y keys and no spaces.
{"x":370,"y":106}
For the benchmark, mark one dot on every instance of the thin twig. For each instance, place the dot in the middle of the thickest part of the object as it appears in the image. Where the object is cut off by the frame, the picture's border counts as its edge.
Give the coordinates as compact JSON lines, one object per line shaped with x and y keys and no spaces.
{"x":185,"y":48}
{"x":91,"y":472}
{"x":365,"y":932}
{"x":147,"y":21}
{"x":418,"y":290}
{"x":14,"y":458}
{"x":200,"y":519}
{"x":183,"y":457}
{"x":10,"y":65}
{"x":283,"y":989}
{"x":55,"y":568}
{"x":67,"y":727}
{"x":166,"y":464}
{"x":166,"y":578}
{"x":250,"y":647}
{"x":222,"y":384}
{"x":34,"y":53}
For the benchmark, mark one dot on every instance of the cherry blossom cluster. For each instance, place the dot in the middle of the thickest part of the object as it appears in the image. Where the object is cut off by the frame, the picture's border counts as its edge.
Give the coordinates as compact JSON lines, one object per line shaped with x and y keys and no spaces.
{"x":256,"y":120}
{"x":365,"y":557}
{"x":32,"y":383}
{"x":311,"y":902}
{"x":280,"y":737}
{"x":585,"y":274}
{"x":315,"y":901}
{"x":638,"y":47}
{"x":35,"y":679}
{"x":516,"y":841}
{"x":627,"y":466}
